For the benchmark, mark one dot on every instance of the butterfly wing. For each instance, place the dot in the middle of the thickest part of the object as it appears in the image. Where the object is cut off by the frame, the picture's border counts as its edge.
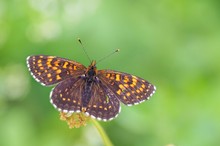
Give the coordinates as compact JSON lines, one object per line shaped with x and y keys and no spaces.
{"x":103,"y":104}
{"x":66,"y":96}
{"x":49,"y":70}
{"x":129,"y":89}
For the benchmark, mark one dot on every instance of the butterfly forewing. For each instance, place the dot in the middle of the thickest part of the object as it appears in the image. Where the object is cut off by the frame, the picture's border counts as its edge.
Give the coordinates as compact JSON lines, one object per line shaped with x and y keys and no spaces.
{"x":103,"y":105}
{"x":49,"y":70}
{"x":129,"y":89}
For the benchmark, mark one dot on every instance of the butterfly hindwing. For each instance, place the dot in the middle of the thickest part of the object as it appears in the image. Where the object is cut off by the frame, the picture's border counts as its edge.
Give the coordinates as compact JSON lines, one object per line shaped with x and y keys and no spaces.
{"x":66,"y":96}
{"x":49,"y":70}
{"x":103,"y":105}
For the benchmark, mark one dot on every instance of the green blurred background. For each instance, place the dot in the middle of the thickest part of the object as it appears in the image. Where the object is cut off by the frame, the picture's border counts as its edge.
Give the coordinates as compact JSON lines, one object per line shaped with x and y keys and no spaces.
{"x":174,"y":44}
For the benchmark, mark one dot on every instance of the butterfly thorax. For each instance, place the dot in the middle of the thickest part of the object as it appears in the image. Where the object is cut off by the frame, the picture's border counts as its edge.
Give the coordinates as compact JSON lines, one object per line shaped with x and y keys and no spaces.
{"x":90,"y":79}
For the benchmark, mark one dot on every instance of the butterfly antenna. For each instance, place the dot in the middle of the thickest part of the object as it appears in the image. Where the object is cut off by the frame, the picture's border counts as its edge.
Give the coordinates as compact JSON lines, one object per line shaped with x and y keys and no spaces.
{"x":117,"y":50}
{"x":84,"y":49}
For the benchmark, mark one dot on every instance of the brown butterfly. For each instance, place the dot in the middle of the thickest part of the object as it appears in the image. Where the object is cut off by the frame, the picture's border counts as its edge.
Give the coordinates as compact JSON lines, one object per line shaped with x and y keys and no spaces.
{"x":97,"y":93}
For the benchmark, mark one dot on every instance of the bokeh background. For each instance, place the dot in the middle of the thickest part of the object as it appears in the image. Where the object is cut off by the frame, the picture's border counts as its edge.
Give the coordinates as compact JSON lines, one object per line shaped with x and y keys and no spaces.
{"x":174,"y":44}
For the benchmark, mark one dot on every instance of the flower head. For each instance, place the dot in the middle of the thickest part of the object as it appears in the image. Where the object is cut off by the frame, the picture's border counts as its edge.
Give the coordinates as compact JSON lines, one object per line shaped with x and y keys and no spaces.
{"x":74,"y":120}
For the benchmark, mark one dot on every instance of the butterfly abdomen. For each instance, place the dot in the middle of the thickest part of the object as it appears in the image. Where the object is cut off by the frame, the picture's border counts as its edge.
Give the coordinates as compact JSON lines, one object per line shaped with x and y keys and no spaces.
{"x":87,"y":92}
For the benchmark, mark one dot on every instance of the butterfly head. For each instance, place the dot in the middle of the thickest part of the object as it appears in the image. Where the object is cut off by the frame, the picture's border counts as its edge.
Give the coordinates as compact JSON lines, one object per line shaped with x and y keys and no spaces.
{"x":91,"y":70}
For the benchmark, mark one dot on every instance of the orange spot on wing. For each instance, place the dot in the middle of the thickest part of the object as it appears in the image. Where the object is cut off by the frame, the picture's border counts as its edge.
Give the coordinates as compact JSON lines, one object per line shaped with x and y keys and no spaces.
{"x":117,"y":77}
{"x":119,"y":92}
{"x":74,"y":67}
{"x":58,"y":77}
{"x":65,"y":65}
{"x":107,"y":75}
{"x":58,"y":71}
{"x":49,"y":75}
{"x":54,"y":68}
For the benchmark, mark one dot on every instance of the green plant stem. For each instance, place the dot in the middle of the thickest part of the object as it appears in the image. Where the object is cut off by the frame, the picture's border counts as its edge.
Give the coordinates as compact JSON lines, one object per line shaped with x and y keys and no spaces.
{"x":104,"y":136}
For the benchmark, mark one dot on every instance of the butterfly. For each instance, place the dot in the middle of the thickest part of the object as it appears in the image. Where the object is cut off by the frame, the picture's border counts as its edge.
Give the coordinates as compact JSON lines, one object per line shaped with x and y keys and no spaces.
{"x":80,"y":89}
